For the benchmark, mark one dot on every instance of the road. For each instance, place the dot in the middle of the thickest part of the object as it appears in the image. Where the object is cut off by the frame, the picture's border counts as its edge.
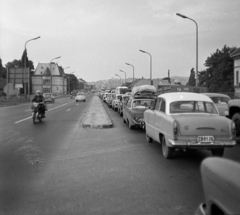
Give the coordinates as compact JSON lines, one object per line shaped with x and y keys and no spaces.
{"x":58,"y":167}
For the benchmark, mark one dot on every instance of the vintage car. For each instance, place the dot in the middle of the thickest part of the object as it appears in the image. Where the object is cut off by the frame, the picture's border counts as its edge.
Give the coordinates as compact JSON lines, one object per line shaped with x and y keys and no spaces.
{"x":105,"y":96}
{"x":220,"y":101}
{"x":142,"y":99}
{"x":122,"y":101}
{"x":109,"y":99}
{"x":115,"y":101}
{"x":188,"y":120}
{"x":49,"y":97}
{"x":221,"y":185}
{"x":80,"y":97}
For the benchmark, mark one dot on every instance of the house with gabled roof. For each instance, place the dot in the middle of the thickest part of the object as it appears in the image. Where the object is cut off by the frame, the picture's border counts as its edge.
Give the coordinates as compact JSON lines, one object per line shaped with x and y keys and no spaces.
{"x":49,"y":78}
{"x":236,"y":57}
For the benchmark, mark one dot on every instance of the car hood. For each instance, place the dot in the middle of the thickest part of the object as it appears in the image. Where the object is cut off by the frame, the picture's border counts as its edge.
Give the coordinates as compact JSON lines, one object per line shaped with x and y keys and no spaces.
{"x":203,"y":125}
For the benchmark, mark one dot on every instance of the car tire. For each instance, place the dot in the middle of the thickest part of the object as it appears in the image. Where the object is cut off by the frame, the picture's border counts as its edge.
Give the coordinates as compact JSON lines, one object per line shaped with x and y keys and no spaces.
{"x":84,"y":100}
{"x":76,"y":101}
{"x":217,"y":152}
{"x":236,"y":120}
{"x":124,"y":121}
{"x":149,"y":139}
{"x":166,"y":150}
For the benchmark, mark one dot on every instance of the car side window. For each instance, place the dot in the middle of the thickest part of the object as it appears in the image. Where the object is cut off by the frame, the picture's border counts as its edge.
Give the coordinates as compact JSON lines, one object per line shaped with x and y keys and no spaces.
{"x":157,"y":105}
{"x":163,"y":106}
{"x":129,"y":103}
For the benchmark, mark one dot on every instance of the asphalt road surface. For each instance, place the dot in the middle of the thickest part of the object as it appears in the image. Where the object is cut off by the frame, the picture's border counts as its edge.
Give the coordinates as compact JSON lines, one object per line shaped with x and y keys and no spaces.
{"x":58,"y":167}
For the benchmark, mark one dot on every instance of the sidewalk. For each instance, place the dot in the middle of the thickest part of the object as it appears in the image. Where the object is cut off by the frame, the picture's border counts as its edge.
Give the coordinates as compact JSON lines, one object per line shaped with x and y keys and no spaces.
{"x":96,"y":116}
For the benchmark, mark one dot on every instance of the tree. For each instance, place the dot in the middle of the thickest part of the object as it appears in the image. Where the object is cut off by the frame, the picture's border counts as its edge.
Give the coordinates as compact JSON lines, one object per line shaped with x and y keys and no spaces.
{"x":218,"y":76}
{"x":3,"y":73}
{"x":18,"y":64}
{"x":192,"y":79}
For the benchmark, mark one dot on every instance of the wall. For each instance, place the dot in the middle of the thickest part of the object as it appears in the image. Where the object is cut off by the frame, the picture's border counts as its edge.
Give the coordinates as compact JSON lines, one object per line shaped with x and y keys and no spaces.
{"x":236,"y":68}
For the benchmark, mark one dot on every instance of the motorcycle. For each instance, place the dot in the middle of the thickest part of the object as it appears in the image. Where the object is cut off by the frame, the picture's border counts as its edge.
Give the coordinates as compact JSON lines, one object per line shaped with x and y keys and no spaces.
{"x":37,"y":111}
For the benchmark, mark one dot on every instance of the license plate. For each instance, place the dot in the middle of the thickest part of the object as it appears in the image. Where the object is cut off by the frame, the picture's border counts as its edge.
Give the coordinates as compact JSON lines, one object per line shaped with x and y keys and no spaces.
{"x":205,"y":139}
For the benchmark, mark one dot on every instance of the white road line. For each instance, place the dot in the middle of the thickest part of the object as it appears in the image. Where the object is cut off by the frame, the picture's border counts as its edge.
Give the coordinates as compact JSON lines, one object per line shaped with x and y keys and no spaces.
{"x":31,"y":117}
{"x":69,"y":109}
{"x":28,"y":110}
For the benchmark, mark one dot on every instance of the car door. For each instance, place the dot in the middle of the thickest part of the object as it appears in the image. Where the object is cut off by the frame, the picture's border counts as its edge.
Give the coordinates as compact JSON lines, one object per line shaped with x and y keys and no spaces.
{"x":160,"y":119}
{"x":151,"y":118}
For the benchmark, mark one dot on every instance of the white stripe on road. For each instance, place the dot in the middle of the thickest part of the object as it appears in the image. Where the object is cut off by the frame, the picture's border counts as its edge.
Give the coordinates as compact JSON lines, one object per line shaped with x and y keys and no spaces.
{"x":48,"y":110}
{"x":69,"y":109}
{"x":28,"y":110}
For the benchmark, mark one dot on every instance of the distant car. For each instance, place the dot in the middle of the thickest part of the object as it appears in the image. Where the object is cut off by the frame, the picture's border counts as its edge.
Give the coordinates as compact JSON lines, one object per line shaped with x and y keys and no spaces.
{"x":80,"y":97}
{"x":221,"y":184}
{"x":188,"y":120}
{"x":49,"y":97}
{"x":221,"y":102}
{"x":116,"y":101}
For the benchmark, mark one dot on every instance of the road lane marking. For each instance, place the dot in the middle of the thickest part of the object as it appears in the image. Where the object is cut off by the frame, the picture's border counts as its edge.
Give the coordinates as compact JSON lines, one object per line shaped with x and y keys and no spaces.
{"x":31,"y":116}
{"x":69,"y":109}
{"x":28,"y":110}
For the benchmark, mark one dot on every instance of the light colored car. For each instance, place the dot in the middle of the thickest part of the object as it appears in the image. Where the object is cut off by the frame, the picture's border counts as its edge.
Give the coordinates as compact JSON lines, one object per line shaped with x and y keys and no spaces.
{"x":80,"y":97}
{"x":49,"y":97}
{"x":122,"y":101}
{"x":221,"y":102}
{"x":188,"y":120}
{"x":221,"y":184}
{"x":115,"y":102}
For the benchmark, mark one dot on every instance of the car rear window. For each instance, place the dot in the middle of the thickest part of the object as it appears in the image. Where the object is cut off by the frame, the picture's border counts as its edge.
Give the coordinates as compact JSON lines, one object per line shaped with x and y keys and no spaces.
{"x":192,"y":107}
{"x":220,"y":100}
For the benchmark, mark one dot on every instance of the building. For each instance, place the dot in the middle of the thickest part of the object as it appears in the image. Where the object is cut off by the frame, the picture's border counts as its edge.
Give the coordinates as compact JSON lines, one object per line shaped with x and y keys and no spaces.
{"x":236,"y":57}
{"x":49,"y":78}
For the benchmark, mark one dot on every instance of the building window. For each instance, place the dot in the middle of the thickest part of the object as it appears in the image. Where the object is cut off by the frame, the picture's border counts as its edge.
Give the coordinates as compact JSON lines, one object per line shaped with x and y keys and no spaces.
{"x":237,"y":78}
{"x":46,"y":81}
{"x":46,"y":90}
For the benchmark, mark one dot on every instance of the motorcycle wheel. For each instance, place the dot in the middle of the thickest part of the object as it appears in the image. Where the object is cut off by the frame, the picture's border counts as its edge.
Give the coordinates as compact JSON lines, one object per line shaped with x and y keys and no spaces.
{"x":34,"y":118}
{"x":40,"y":117}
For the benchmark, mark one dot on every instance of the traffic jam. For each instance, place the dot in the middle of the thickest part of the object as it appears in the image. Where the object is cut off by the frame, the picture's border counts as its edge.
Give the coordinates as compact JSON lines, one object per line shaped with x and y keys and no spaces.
{"x":180,"y":118}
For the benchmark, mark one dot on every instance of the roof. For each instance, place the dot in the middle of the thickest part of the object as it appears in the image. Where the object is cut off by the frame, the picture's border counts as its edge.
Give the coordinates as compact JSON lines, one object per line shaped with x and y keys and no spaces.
{"x":235,"y":53}
{"x":47,"y":72}
{"x":216,"y":94}
{"x":182,"y":96}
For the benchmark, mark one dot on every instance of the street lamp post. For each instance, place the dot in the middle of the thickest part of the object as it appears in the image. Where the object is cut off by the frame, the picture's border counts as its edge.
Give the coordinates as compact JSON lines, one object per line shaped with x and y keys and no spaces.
{"x":132,"y":67}
{"x":51,"y":69}
{"x":150,"y":64}
{"x":125,"y":75}
{"x":25,"y":59}
{"x":185,"y":17}
{"x":120,"y":78}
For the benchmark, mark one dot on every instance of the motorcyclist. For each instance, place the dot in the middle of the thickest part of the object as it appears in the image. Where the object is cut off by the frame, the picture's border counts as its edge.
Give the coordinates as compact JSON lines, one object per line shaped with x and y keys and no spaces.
{"x":39,"y":98}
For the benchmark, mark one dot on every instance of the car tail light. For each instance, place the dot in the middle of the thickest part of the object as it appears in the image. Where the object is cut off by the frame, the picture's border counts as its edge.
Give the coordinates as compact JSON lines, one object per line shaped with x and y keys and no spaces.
{"x":233,"y":129}
{"x":175,"y":128}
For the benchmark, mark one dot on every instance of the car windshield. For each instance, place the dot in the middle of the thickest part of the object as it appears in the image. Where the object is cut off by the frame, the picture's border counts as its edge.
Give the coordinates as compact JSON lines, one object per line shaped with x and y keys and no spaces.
{"x":142,"y":103}
{"x":125,"y":98}
{"x":220,"y":100}
{"x":192,"y":107}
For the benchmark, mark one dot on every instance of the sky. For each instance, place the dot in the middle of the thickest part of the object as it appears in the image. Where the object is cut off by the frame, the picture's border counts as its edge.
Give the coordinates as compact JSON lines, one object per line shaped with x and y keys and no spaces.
{"x":95,"y":38}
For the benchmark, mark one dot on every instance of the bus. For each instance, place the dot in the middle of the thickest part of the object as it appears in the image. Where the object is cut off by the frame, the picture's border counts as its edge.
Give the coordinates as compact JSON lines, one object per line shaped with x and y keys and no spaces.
{"x":122,"y":90}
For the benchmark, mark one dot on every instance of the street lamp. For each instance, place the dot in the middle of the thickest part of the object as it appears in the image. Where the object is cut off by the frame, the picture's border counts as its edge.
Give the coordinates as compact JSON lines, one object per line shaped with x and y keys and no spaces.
{"x":125,"y":75}
{"x":185,"y":17}
{"x":120,"y":78}
{"x":25,"y":59}
{"x":132,"y":67}
{"x":51,"y":69}
{"x":150,"y":64}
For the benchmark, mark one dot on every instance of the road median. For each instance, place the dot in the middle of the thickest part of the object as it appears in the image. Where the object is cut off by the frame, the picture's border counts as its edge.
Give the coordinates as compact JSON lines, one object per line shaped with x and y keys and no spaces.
{"x":96,"y":116}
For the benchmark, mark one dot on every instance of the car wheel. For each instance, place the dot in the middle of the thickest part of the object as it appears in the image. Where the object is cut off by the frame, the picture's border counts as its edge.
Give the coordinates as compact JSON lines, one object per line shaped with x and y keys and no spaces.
{"x":149,"y":139}
{"x":84,"y":100}
{"x":217,"y":152}
{"x":236,"y":120}
{"x":166,"y":150}
{"x":124,"y":121}
{"x":76,"y":101}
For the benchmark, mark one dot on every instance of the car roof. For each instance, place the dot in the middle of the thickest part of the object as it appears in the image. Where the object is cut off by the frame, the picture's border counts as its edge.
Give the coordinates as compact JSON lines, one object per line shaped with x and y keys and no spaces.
{"x":216,"y":94}
{"x":183,"y":96}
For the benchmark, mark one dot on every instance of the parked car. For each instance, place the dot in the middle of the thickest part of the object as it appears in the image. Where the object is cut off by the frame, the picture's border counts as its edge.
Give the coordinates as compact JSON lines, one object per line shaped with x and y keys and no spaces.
{"x":49,"y":97}
{"x":221,"y":185}
{"x":143,"y":98}
{"x":188,"y":120}
{"x":122,"y":101}
{"x":221,"y":102}
{"x":80,"y":97}
{"x":105,"y":96}
{"x":234,"y":114}
{"x":116,"y":101}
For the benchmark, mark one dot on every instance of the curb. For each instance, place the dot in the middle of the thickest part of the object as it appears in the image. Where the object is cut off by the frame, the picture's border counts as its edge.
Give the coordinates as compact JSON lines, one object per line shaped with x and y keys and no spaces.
{"x":100,"y":126}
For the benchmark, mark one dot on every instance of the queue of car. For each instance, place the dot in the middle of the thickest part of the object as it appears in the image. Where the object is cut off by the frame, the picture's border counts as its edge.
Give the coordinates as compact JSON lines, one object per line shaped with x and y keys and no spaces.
{"x":179,"y":121}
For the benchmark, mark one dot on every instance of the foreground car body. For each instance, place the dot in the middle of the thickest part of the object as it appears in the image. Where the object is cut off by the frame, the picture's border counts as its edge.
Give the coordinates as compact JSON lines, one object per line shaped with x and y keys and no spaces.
{"x":221,"y":184}
{"x":80,"y":97}
{"x":221,"y":102}
{"x":188,"y":120}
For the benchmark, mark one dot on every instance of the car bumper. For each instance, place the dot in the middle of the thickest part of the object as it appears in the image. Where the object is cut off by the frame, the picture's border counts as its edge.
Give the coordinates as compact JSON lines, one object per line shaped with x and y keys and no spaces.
{"x":201,"y":210}
{"x":192,"y":144}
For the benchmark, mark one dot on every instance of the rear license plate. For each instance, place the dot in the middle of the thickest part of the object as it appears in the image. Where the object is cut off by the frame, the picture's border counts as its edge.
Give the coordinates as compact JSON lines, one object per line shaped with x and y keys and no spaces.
{"x":205,"y":139}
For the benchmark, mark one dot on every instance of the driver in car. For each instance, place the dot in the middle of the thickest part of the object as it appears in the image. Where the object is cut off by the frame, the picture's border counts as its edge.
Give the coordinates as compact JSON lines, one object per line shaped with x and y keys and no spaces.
{"x":39,"y":98}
